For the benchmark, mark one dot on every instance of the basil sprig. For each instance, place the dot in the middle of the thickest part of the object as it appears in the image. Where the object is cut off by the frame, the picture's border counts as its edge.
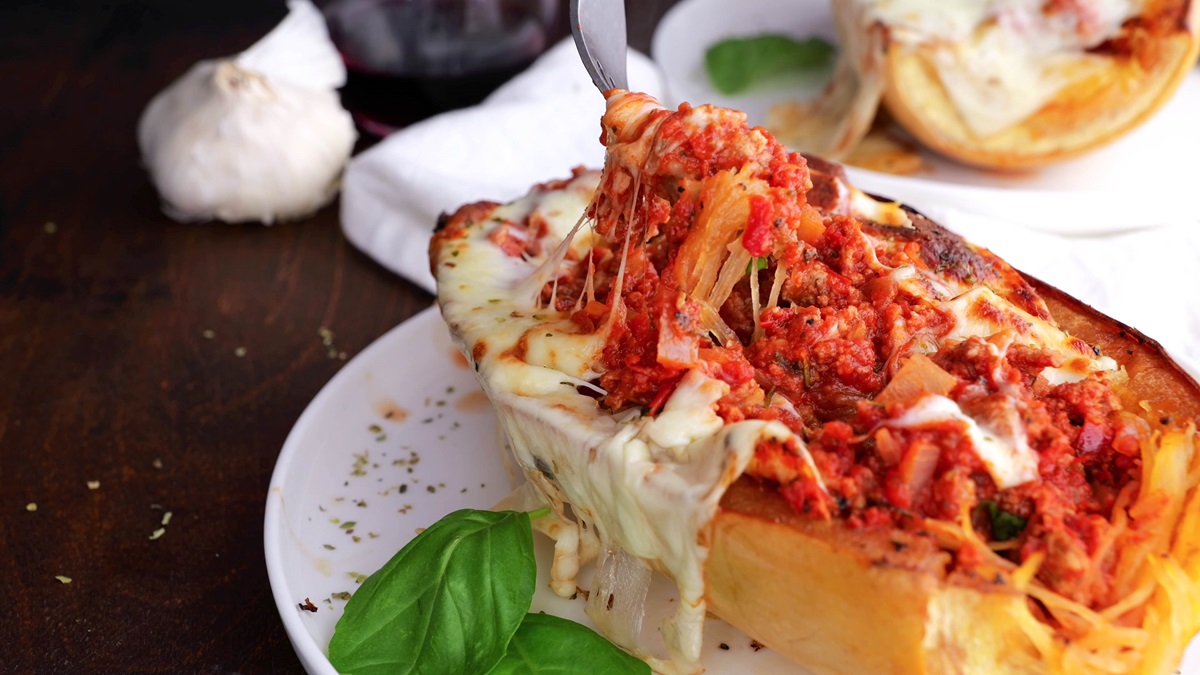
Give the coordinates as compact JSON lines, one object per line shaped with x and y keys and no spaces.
{"x":549,"y":645}
{"x":734,"y":64}
{"x":448,"y":602}
{"x":456,"y":600}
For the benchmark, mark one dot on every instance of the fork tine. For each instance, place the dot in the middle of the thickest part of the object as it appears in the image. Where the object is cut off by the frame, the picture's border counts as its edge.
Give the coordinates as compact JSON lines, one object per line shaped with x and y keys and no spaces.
{"x":598,"y":27}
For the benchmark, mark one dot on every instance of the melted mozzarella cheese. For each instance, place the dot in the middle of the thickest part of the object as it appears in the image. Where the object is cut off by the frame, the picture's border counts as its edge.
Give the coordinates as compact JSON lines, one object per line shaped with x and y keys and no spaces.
{"x":979,"y":312}
{"x":645,"y":485}
{"x":689,"y":414}
{"x":489,"y":302}
{"x":1063,"y":375}
{"x":982,"y":313}
{"x":1004,"y":452}
{"x":925,"y":286}
{"x":865,"y":206}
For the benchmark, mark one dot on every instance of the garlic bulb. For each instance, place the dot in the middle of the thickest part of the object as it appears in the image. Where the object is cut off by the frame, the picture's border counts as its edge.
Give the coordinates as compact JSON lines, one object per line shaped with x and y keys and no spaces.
{"x":260,"y":136}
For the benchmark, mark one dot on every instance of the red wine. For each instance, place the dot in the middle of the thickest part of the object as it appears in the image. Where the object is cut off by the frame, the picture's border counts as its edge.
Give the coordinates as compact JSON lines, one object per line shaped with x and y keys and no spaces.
{"x":382,"y":103}
{"x":410,"y":59}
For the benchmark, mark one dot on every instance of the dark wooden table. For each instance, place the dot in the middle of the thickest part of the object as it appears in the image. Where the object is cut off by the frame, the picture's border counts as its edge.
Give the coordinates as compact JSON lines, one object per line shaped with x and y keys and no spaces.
{"x":150,"y":366}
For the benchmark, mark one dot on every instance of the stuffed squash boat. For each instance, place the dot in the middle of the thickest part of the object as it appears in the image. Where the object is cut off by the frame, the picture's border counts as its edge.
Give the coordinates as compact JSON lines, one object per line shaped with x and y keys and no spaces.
{"x":823,"y":415}
{"x":1002,"y":83}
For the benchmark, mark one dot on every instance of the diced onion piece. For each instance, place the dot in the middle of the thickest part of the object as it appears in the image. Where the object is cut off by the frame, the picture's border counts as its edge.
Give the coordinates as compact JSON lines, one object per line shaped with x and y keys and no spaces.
{"x":677,"y":348}
{"x":918,"y":464}
{"x":617,"y":603}
{"x":917,"y":377}
{"x":888,"y":447}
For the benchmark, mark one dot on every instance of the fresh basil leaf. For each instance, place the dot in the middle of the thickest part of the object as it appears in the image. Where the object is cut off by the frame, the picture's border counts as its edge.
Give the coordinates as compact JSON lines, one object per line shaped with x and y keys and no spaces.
{"x":734,"y":64}
{"x":1005,"y":525}
{"x":448,"y":602}
{"x":548,"y":645}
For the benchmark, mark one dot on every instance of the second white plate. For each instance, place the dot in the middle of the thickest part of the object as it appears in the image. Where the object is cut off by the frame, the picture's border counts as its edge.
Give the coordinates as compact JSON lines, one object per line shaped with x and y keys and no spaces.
{"x":1145,"y":179}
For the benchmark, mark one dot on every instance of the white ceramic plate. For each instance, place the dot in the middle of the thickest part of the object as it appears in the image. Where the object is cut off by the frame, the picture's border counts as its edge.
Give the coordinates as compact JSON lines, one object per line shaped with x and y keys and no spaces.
{"x":409,"y":396}
{"x":1146,"y":178}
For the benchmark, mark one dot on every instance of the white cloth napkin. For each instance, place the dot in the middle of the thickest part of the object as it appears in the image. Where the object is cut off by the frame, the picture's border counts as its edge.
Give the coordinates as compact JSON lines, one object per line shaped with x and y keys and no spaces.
{"x":535,"y":128}
{"x":546,"y":121}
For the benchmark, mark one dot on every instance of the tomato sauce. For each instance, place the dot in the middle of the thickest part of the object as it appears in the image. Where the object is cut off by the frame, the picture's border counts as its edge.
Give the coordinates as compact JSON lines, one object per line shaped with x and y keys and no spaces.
{"x":812,"y":332}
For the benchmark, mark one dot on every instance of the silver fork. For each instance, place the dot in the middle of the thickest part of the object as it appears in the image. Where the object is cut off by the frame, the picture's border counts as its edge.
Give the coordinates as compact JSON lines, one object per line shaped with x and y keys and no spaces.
{"x":600,"y":36}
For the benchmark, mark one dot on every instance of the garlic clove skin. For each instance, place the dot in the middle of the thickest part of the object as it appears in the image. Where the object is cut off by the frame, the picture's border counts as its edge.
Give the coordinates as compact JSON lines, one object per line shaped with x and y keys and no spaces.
{"x":248,"y":138}
{"x":298,"y":51}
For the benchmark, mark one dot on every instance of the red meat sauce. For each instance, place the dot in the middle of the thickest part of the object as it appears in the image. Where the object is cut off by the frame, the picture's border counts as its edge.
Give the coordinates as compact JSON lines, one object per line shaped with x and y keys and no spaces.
{"x":832,"y":345}
{"x":828,"y":359}
{"x":818,"y":359}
